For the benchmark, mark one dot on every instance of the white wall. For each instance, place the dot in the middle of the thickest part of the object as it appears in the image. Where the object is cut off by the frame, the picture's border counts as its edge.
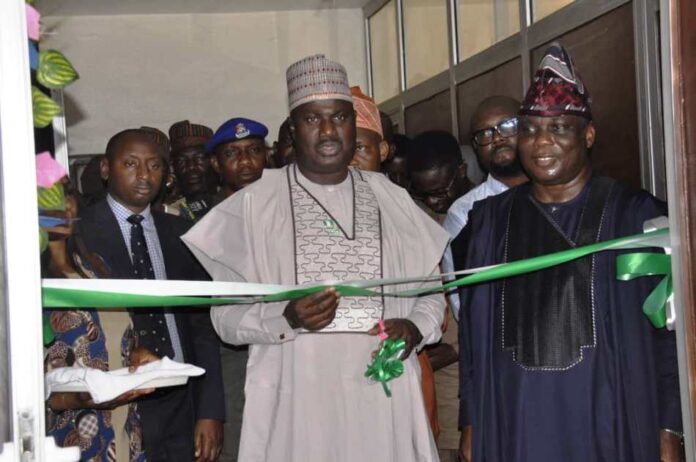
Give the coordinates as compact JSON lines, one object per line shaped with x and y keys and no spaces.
{"x":158,"y":69}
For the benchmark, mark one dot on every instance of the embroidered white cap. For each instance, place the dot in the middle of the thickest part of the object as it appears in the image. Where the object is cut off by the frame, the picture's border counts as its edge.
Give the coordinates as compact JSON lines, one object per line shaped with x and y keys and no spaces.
{"x":316,"y":78}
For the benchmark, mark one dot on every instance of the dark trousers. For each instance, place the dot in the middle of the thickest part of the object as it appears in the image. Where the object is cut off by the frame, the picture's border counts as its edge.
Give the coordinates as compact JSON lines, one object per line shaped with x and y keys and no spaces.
{"x":168,"y":421}
{"x":234,"y":361}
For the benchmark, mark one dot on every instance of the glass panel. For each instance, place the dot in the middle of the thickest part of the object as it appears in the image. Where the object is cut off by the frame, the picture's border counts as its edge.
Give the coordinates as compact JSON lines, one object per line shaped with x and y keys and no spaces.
{"x":434,"y":113}
{"x":425,"y":37}
{"x":482,"y":23}
{"x":385,"y":53}
{"x":543,"y":8}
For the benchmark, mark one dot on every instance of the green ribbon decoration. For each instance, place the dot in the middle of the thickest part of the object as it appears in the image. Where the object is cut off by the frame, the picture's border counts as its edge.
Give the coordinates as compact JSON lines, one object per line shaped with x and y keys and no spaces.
{"x":52,"y":198}
{"x":628,"y":267}
{"x":55,"y":71}
{"x":44,"y":108}
{"x":386,"y":365}
{"x":76,"y":298}
{"x":43,"y":239}
{"x":634,"y":265}
{"x":48,"y":333}
{"x":54,"y":297}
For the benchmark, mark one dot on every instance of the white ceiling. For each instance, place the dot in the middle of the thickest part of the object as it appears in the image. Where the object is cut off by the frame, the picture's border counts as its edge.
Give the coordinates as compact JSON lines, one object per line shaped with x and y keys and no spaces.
{"x":108,"y":7}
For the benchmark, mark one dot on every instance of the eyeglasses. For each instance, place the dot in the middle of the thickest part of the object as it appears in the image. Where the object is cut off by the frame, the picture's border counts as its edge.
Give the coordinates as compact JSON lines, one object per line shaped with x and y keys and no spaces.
{"x":441,"y":193}
{"x":506,"y":129}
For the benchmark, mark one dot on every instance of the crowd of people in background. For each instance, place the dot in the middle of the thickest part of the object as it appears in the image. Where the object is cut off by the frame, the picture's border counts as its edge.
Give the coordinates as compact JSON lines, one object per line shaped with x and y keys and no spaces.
{"x":534,"y":398}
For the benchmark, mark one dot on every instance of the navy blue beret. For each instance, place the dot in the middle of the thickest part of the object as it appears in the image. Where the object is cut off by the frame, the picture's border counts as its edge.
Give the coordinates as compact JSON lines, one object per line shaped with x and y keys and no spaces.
{"x":236,"y":129}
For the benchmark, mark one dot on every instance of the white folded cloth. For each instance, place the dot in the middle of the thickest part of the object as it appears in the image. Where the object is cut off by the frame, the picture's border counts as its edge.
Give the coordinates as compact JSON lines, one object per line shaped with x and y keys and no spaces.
{"x":107,"y":385}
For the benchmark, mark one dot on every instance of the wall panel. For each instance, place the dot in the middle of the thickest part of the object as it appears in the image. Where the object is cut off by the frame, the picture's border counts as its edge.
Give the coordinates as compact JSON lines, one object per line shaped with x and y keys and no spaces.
{"x":158,"y":69}
{"x":431,"y":114}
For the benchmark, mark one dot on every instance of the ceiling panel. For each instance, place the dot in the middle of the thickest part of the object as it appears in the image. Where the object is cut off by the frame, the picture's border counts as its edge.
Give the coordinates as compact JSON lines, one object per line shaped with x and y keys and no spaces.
{"x":109,"y":7}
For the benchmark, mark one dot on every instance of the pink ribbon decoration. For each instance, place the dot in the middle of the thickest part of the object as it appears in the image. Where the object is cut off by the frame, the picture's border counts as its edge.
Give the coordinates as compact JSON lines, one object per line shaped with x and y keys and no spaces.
{"x":382,"y":334}
{"x":33,"y":18}
{"x":48,"y":171}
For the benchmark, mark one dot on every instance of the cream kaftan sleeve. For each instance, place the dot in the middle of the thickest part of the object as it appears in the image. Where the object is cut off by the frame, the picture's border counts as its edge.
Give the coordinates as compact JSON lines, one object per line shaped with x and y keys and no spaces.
{"x":260,"y":323}
{"x":428,"y":315}
{"x":222,"y":243}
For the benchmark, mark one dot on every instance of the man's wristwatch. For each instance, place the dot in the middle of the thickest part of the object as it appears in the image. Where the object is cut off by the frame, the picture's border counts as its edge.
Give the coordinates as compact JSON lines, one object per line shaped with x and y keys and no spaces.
{"x":680,"y":435}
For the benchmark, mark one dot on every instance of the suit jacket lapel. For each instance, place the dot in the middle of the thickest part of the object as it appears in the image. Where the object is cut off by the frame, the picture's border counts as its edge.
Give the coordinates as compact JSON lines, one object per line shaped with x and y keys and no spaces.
{"x":110,"y":242}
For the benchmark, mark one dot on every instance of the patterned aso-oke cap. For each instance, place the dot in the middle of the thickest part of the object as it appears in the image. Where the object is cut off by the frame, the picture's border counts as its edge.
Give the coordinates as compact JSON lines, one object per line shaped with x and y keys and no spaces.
{"x":557,"y":88}
{"x":316,"y":78}
{"x":366,"y":112}
{"x":160,"y":138}
{"x":184,"y":134}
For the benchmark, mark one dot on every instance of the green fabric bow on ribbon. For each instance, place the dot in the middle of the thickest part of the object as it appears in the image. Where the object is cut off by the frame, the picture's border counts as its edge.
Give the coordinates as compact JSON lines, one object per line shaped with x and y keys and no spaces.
{"x":634,"y":265}
{"x":386,"y":364}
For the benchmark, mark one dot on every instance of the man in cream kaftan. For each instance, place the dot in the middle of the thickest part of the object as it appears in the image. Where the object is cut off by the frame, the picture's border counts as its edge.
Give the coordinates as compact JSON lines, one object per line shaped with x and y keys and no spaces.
{"x":307,"y":398}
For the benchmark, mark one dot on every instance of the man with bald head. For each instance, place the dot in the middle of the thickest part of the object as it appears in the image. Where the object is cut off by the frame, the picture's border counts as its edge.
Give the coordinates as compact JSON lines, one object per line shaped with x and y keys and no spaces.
{"x":137,"y":242}
{"x":320,"y":220}
{"x":494,"y":138}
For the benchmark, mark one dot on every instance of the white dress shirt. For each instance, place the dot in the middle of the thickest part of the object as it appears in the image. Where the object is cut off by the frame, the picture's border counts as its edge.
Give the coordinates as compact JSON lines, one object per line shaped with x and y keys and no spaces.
{"x":121,"y":212}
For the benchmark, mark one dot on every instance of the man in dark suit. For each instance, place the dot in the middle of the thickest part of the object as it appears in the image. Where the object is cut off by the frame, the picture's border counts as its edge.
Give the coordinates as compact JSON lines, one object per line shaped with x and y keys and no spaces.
{"x":183,"y":423}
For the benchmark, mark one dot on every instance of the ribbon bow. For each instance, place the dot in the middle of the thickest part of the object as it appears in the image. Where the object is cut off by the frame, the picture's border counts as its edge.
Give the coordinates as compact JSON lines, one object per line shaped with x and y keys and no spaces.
{"x":634,"y":265}
{"x":386,"y":364}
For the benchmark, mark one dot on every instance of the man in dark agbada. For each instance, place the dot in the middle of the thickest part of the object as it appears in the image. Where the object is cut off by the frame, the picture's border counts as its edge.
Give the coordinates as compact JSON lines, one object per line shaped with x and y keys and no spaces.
{"x":561,"y":364}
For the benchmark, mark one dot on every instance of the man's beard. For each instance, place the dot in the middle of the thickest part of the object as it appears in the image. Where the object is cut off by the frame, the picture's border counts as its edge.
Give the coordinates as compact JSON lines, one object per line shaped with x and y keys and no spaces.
{"x":512,"y":169}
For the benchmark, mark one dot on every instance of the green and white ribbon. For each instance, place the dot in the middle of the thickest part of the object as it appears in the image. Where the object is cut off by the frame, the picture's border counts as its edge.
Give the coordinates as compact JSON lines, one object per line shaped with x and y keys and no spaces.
{"x":106,"y":293}
{"x":385,"y":366}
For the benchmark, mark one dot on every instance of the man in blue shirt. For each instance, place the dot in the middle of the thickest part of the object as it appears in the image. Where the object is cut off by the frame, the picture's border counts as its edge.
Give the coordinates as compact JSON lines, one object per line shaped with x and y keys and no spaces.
{"x":494,"y":138}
